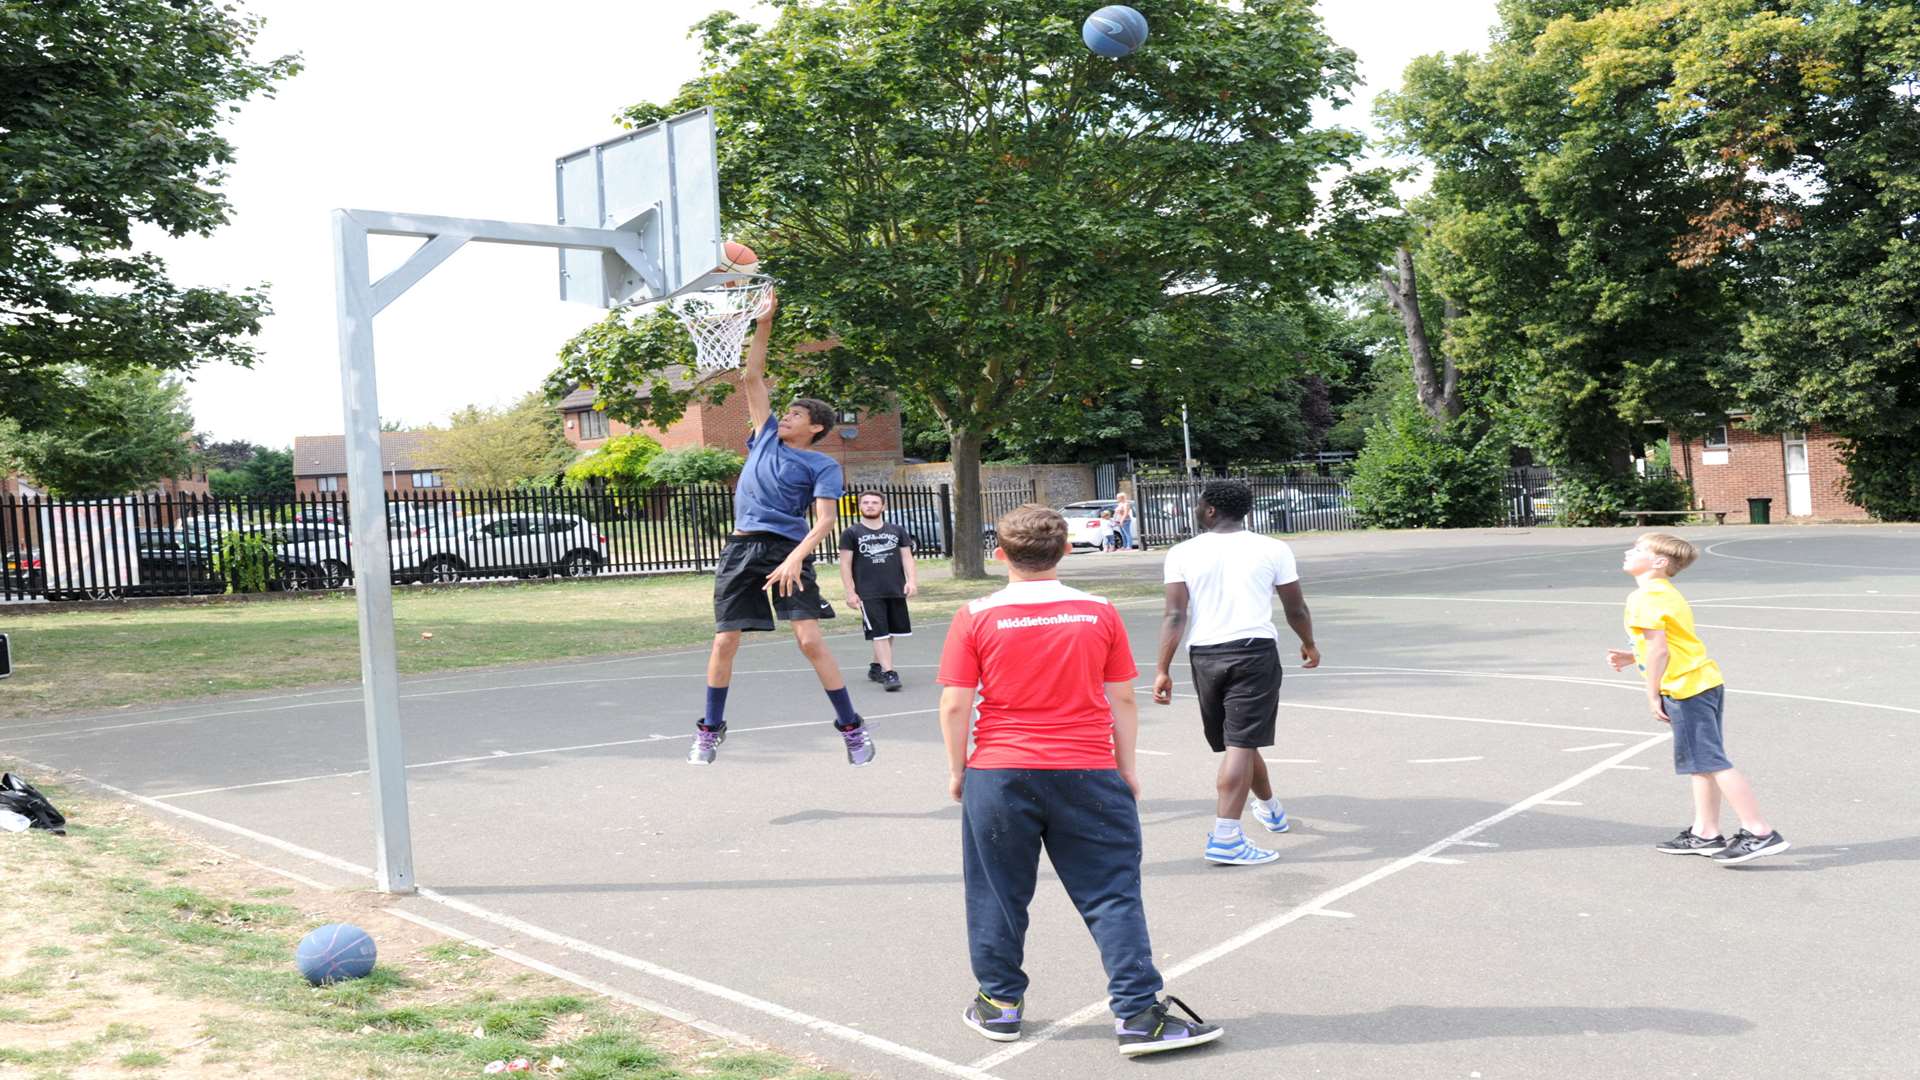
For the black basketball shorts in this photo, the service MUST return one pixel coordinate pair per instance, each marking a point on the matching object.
(741, 599)
(1238, 683)
(885, 617)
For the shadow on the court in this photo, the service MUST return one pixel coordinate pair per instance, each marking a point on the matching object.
(803, 817)
(1801, 858)
(1412, 1025)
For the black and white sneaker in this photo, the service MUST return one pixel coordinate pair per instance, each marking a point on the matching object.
(876, 674)
(1154, 1032)
(998, 1022)
(1689, 843)
(1745, 847)
(890, 680)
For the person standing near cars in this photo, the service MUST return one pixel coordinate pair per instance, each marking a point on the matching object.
(877, 572)
(1123, 519)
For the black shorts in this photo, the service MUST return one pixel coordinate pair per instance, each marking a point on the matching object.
(1238, 683)
(741, 600)
(885, 617)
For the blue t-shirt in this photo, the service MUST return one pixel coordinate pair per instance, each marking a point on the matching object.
(779, 483)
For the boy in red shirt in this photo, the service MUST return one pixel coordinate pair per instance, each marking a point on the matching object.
(1052, 767)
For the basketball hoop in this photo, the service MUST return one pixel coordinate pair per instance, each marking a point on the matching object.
(717, 319)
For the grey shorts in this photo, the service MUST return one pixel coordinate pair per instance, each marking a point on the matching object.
(1696, 732)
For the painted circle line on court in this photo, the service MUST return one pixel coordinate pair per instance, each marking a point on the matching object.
(1714, 549)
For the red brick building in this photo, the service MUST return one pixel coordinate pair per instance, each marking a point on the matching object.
(320, 463)
(866, 444)
(1800, 471)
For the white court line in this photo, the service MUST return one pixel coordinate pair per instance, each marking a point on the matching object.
(1315, 905)
(404, 697)
(581, 981)
(1293, 761)
(1562, 802)
(1620, 684)
(1475, 843)
(1444, 760)
(1439, 861)
(1641, 768)
(1331, 914)
(1155, 753)
(1798, 630)
(497, 755)
(586, 948)
(1595, 746)
(1463, 719)
(1337, 578)
(1714, 549)
(1616, 603)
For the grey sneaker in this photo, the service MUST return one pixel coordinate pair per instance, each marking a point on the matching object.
(998, 1022)
(1692, 843)
(1155, 1032)
(890, 680)
(1745, 847)
(706, 744)
(859, 745)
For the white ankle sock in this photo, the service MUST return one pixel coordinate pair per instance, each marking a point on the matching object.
(1226, 828)
(1271, 806)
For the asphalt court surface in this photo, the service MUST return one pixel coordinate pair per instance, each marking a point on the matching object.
(1469, 887)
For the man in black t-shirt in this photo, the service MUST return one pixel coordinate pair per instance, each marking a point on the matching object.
(876, 568)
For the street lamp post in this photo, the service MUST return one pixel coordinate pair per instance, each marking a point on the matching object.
(1186, 434)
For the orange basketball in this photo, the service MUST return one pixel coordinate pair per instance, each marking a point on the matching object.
(739, 258)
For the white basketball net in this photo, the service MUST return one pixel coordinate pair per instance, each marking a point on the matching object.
(718, 319)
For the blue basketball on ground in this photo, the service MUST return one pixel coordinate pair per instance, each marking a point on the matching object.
(1114, 31)
(335, 952)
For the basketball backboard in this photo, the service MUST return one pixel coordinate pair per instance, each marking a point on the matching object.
(663, 181)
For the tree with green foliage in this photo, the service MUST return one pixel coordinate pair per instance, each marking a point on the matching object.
(498, 449)
(1416, 473)
(693, 465)
(111, 118)
(620, 464)
(985, 215)
(1549, 233)
(1802, 120)
(120, 433)
(270, 474)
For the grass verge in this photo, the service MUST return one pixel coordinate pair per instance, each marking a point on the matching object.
(131, 950)
(92, 658)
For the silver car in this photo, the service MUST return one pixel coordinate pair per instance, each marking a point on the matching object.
(500, 545)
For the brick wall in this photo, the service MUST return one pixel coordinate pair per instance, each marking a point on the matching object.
(1057, 484)
(1753, 465)
(399, 483)
(877, 440)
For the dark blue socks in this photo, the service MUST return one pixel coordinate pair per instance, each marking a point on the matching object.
(716, 708)
(843, 707)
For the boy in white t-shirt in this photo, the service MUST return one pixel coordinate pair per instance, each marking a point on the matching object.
(1220, 588)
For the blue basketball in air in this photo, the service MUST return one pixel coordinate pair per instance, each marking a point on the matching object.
(1114, 31)
(334, 953)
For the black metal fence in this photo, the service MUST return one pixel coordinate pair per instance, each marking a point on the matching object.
(188, 545)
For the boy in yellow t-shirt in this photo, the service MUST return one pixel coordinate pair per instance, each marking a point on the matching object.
(1684, 689)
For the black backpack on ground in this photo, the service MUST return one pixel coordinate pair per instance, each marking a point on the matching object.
(24, 799)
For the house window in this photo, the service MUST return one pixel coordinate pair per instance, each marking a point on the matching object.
(1717, 438)
(593, 424)
(849, 416)
(326, 483)
(426, 480)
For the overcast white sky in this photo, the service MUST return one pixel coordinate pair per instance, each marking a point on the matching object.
(460, 110)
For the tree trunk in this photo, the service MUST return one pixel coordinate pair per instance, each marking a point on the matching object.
(969, 557)
(1439, 394)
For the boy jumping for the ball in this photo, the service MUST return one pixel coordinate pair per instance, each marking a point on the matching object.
(1052, 767)
(772, 548)
(877, 572)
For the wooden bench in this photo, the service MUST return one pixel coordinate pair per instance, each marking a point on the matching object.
(1645, 517)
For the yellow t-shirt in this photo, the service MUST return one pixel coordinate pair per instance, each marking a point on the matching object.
(1657, 605)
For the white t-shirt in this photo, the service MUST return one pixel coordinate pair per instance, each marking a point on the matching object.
(1230, 578)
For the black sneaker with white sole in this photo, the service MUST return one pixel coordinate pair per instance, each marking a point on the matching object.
(875, 673)
(1691, 843)
(998, 1022)
(1746, 847)
(890, 680)
(1155, 1032)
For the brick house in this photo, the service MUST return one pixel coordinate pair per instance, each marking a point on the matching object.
(866, 444)
(1800, 471)
(320, 463)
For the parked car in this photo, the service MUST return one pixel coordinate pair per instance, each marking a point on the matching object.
(25, 573)
(1085, 527)
(1542, 502)
(311, 556)
(493, 545)
(1295, 509)
(925, 524)
(170, 562)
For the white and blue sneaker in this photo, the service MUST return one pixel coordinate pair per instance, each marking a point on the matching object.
(1273, 823)
(1237, 851)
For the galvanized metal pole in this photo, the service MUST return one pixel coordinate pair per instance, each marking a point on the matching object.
(372, 566)
(1186, 438)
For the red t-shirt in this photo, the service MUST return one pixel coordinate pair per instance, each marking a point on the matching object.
(1040, 653)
